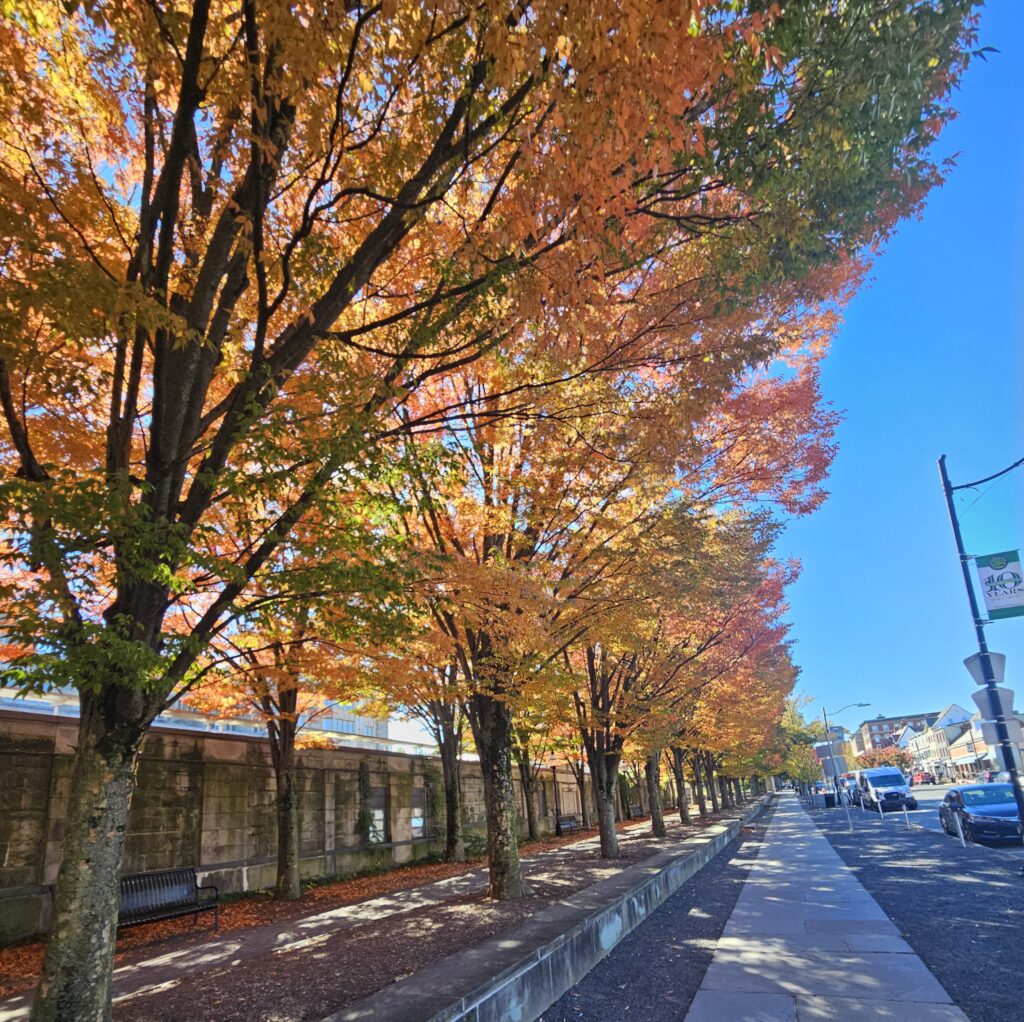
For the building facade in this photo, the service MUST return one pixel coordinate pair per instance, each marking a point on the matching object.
(931, 748)
(334, 723)
(882, 732)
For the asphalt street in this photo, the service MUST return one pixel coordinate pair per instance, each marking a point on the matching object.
(960, 909)
(929, 798)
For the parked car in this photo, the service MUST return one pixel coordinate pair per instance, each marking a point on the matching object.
(922, 777)
(987, 812)
(884, 787)
(854, 792)
(993, 777)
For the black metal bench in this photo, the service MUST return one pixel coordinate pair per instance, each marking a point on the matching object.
(636, 812)
(166, 894)
(567, 825)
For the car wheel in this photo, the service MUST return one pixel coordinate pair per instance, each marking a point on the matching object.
(968, 831)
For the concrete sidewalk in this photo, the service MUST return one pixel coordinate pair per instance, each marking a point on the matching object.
(806, 941)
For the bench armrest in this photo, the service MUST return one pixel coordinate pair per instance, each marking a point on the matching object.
(209, 887)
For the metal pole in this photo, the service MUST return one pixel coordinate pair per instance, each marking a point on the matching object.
(960, 829)
(835, 774)
(1003, 734)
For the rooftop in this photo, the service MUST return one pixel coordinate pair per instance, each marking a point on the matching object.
(899, 719)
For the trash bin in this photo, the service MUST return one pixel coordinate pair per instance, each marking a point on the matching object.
(830, 800)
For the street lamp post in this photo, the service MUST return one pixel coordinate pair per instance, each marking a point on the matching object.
(832, 757)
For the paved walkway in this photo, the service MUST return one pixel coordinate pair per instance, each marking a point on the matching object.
(807, 942)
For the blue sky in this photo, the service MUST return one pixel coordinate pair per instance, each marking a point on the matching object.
(930, 361)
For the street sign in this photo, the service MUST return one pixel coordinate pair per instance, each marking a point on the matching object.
(988, 731)
(998, 661)
(1003, 697)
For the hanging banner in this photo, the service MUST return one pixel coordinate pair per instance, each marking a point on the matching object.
(1002, 583)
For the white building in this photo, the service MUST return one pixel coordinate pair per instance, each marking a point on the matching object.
(931, 747)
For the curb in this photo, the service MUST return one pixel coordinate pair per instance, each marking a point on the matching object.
(517, 976)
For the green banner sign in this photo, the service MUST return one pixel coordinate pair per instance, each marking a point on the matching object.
(1002, 583)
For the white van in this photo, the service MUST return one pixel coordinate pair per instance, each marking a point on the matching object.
(885, 787)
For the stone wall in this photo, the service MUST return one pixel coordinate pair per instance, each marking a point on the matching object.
(207, 801)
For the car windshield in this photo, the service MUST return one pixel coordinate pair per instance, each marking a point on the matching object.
(887, 780)
(988, 795)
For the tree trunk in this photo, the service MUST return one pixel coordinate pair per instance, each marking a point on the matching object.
(680, 776)
(491, 721)
(604, 778)
(723, 792)
(78, 965)
(606, 821)
(581, 783)
(451, 775)
(652, 769)
(637, 785)
(698, 785)
(282, 725)
(289, 883)
(709, 777)
(737, 787)
(528, 780)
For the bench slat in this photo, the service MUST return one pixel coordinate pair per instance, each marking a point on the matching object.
(165, 894)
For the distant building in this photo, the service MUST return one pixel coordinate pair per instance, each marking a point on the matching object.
(904, 736)
(343, 723)
(931, 747)
(882, 732)
(969, 754)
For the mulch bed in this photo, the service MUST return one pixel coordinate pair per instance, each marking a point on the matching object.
(339, 968)
(20, 963)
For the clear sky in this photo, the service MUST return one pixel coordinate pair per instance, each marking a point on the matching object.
(930, 361)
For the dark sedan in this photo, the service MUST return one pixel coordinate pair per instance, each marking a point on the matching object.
(987, 812)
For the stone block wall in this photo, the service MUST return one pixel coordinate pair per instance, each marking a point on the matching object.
(207, 801)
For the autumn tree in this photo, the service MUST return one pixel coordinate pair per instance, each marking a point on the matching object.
(893, 757)
(226, 226)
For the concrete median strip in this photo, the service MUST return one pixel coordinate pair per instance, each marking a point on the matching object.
(516, 976)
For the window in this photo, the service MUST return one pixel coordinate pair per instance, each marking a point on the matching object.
(419, 812)
(874, 727)
(992, 795)
(377, 807)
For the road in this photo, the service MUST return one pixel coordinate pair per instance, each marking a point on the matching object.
(929, 797)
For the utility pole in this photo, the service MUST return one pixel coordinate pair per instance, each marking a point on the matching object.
(831, 754)
(832, 757)
(1002, 732)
